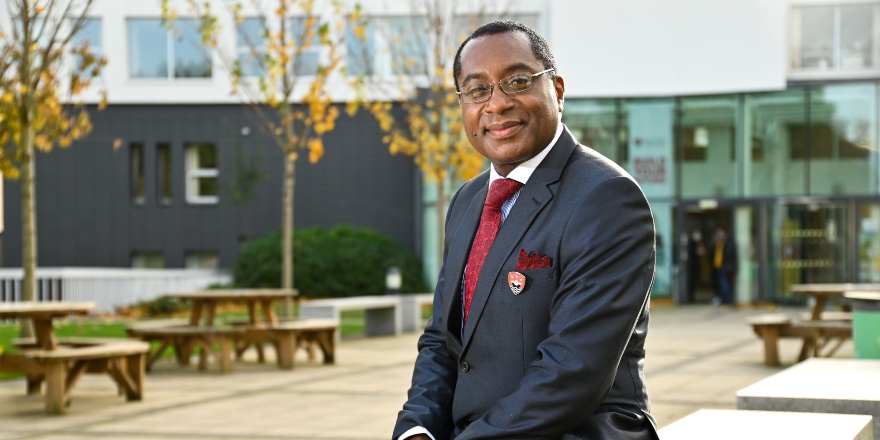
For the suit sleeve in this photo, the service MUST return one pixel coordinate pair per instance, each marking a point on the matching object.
(606, 273)
(429, 399)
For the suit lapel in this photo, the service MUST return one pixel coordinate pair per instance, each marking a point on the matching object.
(456, 259)
(535, 196)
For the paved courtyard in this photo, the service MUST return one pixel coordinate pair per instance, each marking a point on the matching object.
(698, 357)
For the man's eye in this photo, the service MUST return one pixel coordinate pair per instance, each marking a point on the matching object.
(477, 90)
(518, 81)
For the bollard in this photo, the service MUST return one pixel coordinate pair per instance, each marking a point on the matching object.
(866, 324)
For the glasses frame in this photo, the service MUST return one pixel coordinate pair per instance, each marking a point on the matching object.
(492, 86)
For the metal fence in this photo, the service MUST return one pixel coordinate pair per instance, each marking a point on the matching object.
(108, 288)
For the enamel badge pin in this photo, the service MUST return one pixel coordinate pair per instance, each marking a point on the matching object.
(516, 281)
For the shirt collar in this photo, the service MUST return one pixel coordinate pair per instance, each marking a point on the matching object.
(524, 170)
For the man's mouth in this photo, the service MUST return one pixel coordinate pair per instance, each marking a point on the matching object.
(503, 129)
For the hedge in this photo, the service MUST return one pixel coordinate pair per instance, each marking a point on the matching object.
(336, 262)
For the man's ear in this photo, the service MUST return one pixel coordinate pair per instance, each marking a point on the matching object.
(559, 86)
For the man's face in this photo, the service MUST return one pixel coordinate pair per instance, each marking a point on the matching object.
(509, 129)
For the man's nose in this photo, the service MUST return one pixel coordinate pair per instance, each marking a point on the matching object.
(498, 102)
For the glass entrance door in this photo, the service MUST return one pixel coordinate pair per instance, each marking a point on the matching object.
(807, 245)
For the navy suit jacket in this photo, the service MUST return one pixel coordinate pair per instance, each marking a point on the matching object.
(564, 358)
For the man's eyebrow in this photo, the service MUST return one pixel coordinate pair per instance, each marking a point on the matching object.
(507, 70)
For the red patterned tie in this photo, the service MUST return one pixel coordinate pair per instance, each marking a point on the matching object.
(490, 221)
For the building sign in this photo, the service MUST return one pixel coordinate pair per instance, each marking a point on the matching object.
(650, 147)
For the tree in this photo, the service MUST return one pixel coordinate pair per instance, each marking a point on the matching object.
(280, 40)
(430, 128)
(43, 71)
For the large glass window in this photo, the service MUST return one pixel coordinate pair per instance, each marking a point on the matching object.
(251, 46)
(770, 125)
(306, 63)
(90, 35)
(842, 141)
(393, 46)
(201, 174)
(835, 37)
(648, 125)
(869, 243)
(594, 123)
(707, 146)
(155, 52)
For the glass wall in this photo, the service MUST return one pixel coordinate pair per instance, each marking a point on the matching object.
(843, 139)
(791, 161)
(773, 127)
(707, 146)
(594, 123)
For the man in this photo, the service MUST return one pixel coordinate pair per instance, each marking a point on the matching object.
(539, 325)
(724, 265)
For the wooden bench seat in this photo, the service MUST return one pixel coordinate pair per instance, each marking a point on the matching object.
(184, 338)
(816, 334)
(61, 368)
(290, 335)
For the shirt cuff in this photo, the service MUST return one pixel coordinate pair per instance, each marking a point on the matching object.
(414, 431)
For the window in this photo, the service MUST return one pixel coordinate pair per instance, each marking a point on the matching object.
(163, 173)
(835, 37)
(465, 25)
(251, 47)
(306, 63)
(201, 174)
(202, 260)
(155, 52)
(147, 260)
(136, 167)
(393, 46)
(89, 34)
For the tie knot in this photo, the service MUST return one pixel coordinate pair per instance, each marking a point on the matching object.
(501, 190)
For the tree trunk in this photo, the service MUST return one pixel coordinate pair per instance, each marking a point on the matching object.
(28, 224)
(287, 234)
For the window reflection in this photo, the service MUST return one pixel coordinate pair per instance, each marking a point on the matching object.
(152, 49)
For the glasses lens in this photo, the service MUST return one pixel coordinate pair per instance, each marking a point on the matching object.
(476, 93)
(516, 83)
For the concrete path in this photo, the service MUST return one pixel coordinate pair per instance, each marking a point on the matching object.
(698, 357)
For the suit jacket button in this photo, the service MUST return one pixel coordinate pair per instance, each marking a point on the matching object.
(465, 367)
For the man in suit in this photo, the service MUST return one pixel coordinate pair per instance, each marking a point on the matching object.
(539, 324)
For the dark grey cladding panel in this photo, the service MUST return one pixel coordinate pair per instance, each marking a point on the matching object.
(86, 217)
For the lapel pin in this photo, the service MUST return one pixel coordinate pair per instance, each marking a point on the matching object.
(516, 281)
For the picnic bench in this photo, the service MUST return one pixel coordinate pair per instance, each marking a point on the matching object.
(61, 362)
(721, 424)
(383, 313)
(182, 339)
(820, 334)
(840, 386)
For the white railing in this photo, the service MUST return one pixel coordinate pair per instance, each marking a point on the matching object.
(108, 288)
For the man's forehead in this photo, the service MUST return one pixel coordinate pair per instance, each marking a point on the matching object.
(508, 51)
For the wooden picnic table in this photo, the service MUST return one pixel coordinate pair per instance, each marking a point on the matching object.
(42, 314)
(61, 363)
(206, 301)
(821, 293)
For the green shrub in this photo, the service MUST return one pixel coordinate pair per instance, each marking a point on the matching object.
(161, 306)
(338, 262)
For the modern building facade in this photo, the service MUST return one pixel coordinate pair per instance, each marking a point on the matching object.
(761, 118)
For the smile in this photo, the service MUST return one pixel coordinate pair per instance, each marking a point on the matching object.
(501, 131)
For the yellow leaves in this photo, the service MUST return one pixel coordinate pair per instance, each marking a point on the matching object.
(117, 143)
(316, 150)
(103, 104)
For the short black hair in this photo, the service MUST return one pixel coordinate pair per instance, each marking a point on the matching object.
(539, 45)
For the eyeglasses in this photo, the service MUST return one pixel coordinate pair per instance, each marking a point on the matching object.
(518, 83)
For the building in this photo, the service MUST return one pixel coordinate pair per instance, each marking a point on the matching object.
(758, 117)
